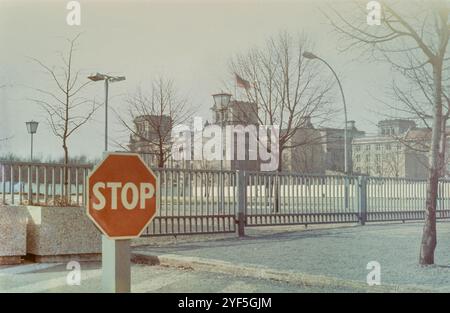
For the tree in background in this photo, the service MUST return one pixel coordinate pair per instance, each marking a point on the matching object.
(152, 114)
(66, 110)
(288, 90)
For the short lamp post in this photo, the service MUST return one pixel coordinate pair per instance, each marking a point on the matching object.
(221, 101)
(32, 127)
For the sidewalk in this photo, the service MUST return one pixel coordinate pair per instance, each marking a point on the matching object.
(336, 256)
(51, 277)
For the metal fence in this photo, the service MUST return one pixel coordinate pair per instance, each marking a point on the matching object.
(195, 202)
(286, 198)
(209, 201)
(24, 183)
(402, 199)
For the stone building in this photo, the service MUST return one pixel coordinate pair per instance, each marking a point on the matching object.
(398, 150)
(151, 138)
(237, 113)
(319, 150)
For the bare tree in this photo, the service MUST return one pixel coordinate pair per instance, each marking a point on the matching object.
(66, 110)
(152, 116)
(288, 90)
(413, 37)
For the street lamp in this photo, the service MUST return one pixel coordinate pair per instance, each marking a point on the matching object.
(221, 101)
(108, 79)
(312, 56)
(32, 127)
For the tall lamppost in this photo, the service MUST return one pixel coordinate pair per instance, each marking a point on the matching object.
(32, 127)
(221, 101)
(312, 56)
(108, 79)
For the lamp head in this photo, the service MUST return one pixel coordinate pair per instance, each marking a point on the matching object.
(32, 127)
(309, 55)
(221, 100)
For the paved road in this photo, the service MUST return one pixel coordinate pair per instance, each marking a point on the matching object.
(337, 252)
(47, 277)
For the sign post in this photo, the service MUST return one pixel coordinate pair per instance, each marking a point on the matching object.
(116, 265)
(121, 201)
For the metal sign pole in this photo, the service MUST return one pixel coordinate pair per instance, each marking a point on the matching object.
(116, 265)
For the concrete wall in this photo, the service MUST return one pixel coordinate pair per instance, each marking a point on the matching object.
(57, 234)
(13, 230)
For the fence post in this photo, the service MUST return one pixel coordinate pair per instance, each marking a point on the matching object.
(241, 189)
(362, 184)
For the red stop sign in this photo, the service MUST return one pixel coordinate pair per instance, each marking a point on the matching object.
(121, 195)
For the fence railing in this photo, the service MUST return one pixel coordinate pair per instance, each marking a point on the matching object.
(210, 201)
(24, 183)
(194, 202)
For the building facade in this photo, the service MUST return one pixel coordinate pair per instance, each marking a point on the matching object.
(237, 113)
(151, 138)
(398, 150)
(320, 150)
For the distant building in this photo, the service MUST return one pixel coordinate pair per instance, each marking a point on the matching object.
(398, 150)
(237, 113)
(319, 150)
(151, 135)
(334, 147)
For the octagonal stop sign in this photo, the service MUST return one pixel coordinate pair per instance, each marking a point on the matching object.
(121, 195)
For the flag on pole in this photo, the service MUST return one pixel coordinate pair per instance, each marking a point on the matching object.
(240, 82)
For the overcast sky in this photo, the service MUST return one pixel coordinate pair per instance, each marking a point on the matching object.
(190, 41)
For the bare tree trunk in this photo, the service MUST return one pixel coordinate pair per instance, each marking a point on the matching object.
(66, 174)
(277, 182)
(429, 239)
(161, 155)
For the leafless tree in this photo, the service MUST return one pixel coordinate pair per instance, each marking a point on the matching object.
(151, 117)
(288, 90)
(66, 110)
(413, 37)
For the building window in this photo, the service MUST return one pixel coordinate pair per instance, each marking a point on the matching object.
(367, 147)
(367, 158)
(357, 148)
(358, 158)
(378, 146)
(388, 146)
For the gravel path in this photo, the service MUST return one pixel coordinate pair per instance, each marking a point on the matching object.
(338, 252)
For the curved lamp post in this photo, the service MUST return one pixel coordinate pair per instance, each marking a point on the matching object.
(312, 56)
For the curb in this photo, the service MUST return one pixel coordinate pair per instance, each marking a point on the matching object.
(300, 279)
